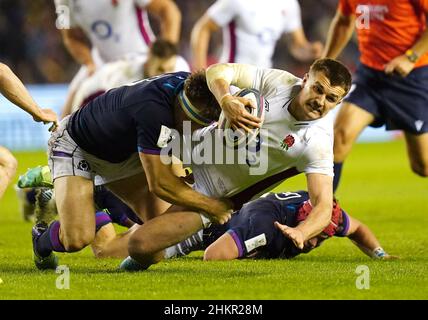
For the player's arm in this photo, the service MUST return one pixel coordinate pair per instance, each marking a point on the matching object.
(301, 49)
(78, 46)
(169, 16)
(224, 248)
(320, 188)
(340, 31)
(405, 63)
(219, 79)
(166, 185)
(200, 39)
(364, 238)
(14, 90)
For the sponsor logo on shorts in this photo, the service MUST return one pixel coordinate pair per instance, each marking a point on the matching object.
(419, 124)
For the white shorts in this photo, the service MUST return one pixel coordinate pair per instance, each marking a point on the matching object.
(66, 158)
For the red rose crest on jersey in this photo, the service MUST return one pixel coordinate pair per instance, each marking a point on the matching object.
(288, 142)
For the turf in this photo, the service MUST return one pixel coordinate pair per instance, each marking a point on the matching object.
(377, 188)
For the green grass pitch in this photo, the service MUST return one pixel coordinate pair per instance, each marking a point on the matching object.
(377, 187)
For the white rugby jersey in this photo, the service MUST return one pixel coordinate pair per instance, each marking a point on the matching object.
(115, 74)
(289, 146)
(115, 27)
(251, 28)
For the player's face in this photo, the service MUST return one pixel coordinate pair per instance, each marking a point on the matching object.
(156, 66)
(317, 96)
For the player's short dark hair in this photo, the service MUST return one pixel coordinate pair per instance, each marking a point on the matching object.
(335, 71)
(163, 48)
(196, 89)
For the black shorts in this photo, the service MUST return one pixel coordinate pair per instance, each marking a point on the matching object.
(397, 102)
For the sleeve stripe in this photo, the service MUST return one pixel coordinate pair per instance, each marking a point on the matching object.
(238, 243)
(148, 151)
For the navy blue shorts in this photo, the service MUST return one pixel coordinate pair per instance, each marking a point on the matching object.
(397, 102)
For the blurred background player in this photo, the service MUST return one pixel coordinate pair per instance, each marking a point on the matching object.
(251, 29)
(392, 80)
(162, 58)
(102, 31)
(14, 90)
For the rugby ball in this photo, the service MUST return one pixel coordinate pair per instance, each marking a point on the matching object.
(237, 138)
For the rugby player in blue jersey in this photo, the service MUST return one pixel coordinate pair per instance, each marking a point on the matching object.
(115, 140)
(255, 231)
(258, 230)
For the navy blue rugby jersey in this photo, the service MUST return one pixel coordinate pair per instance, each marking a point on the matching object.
(253, 230)
(127, 119)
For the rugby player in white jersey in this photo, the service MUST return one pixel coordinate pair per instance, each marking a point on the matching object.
(296, 136)
(251, 29)
(115, 29)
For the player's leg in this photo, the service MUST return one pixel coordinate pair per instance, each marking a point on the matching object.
(148, 242)
(76, 210)
(73, 185)
(350, 121)
(417, 149)
(8, 165)
(224, 248)
(76, 226)
(134, 192)
(109, 244)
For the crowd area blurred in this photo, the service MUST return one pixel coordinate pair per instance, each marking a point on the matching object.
(31, 45)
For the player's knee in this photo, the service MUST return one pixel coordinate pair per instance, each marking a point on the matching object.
(77, 242)
(140, 246)
(141, 250)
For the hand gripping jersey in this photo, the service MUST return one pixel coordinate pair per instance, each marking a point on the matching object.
(251, 28)
(115, 28)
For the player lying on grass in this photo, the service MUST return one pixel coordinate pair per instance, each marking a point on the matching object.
(258, 230)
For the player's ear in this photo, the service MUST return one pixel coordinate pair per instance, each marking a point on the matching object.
(305, 79)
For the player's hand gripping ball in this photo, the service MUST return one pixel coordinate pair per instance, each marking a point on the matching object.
(237, 138)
